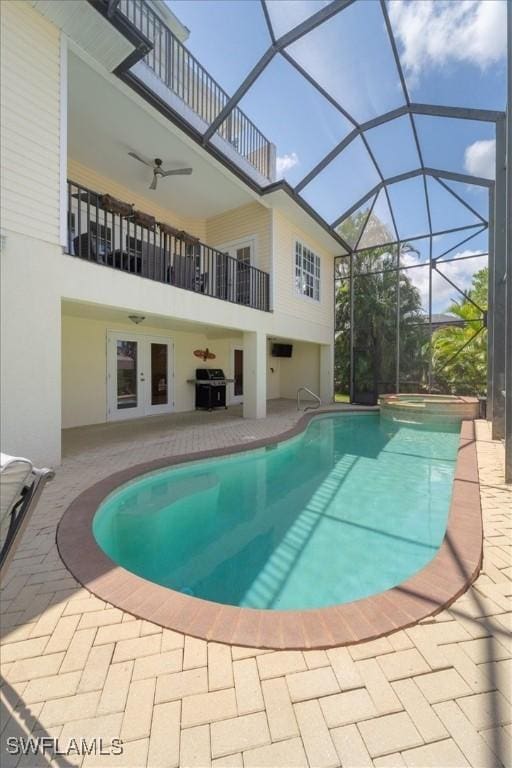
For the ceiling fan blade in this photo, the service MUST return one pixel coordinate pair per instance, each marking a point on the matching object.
(177, 172)
(141, 159)
(154, 182)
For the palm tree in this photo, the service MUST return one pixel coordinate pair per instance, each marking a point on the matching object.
(459, 353)
(375, 294)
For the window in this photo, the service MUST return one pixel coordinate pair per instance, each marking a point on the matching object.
(307, 272)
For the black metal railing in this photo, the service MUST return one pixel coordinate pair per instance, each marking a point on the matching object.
(100, 230)
(181, 72)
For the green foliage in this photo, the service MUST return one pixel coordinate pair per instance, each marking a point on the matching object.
(375, 323)
(375, 231)
(459, 362)
(350, 228)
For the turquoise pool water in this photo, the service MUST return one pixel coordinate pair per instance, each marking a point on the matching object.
(351, 507)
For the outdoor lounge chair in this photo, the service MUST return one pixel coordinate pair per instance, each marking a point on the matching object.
(21, 485)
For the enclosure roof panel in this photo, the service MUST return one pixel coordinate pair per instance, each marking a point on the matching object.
(365, 109)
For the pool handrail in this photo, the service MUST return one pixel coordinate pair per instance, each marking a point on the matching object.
(313, 395)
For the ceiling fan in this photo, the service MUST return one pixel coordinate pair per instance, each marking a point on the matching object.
(156, 165)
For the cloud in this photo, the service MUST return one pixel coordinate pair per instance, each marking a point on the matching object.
(285, 163)
(480, 158)
(459, 272)
(438, 32)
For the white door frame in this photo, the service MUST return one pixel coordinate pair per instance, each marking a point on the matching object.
(234, 399)
(169, 405)
(241, 280)
(144, 407)
(231, 247)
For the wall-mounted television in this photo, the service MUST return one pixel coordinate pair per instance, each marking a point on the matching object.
(282, 350)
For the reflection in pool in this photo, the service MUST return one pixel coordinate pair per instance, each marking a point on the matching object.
(351, 507)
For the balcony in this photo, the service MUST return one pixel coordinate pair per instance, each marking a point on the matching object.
(109, 232)
(180, 72)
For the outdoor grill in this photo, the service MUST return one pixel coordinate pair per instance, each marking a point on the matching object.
(210, 388)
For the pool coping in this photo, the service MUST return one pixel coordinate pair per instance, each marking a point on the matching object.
(452, 570)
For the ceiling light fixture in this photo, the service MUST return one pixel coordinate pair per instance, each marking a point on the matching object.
(136, 318)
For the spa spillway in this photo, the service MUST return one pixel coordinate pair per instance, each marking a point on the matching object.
(423, 408)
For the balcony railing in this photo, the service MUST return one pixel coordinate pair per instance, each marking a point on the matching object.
(181, 72)
(103, 230)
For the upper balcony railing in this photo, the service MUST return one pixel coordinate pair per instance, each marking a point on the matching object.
(110, 232)
(181, 72)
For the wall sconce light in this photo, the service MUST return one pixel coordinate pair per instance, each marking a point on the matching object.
(136, 318)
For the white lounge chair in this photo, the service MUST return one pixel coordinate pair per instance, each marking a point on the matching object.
(21, 485)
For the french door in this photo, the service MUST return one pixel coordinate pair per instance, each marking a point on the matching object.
(139, 375)
(234, 274)
(243, 276)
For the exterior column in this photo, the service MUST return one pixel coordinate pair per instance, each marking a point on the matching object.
(490, 310)
(326, 373)
(499, 288)
(255, 375)
(508, 268)
(31, 345)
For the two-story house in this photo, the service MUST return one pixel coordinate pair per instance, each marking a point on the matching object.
(128, 245)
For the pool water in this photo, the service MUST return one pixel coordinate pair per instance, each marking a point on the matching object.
(351, 507)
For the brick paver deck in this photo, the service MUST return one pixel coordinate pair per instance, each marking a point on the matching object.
(436, 694)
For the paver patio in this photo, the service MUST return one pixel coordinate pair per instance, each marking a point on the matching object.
(437, 694)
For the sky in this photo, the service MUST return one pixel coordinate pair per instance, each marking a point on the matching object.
(460, 62)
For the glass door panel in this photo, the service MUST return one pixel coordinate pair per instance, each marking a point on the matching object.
(125, 376)
(236, 388)
(239, 373)
(139, 375)
(243, 288)
(159, 374)
(158, 365)
(126, 370)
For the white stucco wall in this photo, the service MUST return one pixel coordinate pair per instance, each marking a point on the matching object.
(30, 413)
(36, 385)
(84, 364)
(30, 221)
(273, 374)
(300, 370)
(79, 280)
(36, 276)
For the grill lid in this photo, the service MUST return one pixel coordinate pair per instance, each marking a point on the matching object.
(209, 374)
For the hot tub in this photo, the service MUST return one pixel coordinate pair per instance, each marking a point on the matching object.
(423, 408)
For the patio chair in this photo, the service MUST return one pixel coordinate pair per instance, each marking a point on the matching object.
(185, 273)
(21, 485)
(95, 244)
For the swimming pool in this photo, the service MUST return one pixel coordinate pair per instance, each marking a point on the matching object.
(350, 507)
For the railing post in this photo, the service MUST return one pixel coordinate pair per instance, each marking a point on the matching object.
(134, 249)
(189, 80)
